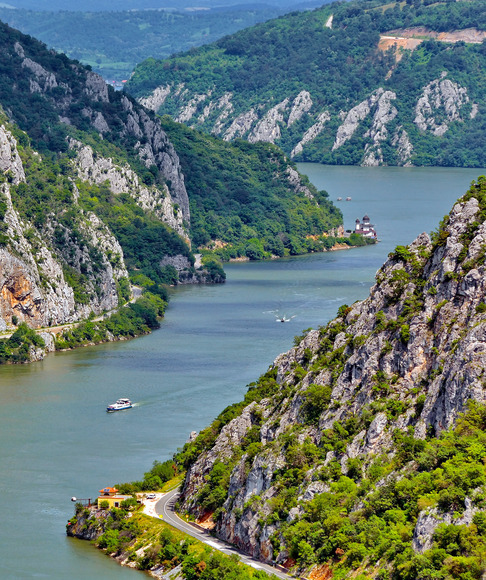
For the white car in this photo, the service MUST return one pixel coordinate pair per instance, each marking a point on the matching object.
(150, 496)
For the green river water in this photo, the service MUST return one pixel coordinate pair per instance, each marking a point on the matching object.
(57, 441)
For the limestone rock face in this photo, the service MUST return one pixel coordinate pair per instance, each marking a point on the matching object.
(354, 118)
(429, 520)
(375, 128)
(302, 104)
(419, 336)
(385, 112)
(33, 287)
(97, 170)
(440, 104)
(9, 158)
(403, 146)
(156, 99)
(225, 106)
(241, 125)
(311, 133)
(190, 109)
(295, 181)
(268, 128)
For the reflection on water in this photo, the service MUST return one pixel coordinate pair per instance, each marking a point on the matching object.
(56, 439)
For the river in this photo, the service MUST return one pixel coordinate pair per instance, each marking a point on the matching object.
(57, 441)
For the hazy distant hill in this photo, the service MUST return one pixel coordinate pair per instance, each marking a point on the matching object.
(110, 5)
(350, 83)
(113, 43)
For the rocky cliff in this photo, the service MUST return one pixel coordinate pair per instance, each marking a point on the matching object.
(345, 430)
(34, 262)
(66, 94)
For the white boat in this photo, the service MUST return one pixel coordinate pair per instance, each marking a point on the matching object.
(120, 405)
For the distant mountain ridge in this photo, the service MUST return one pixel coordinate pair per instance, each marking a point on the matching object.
(113, 42)
(326, 87)
(108, 5)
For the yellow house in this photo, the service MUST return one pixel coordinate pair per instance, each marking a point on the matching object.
(111, 495)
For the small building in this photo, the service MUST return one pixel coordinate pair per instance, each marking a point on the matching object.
(365, 228)
(111, 495)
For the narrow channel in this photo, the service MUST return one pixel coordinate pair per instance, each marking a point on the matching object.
(57, 441)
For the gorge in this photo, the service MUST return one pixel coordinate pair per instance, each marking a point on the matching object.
(380, 187)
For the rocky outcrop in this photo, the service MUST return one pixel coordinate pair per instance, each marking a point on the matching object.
(295, 182)
(268, 129)
(10, 162)
(378, 133)
(226, 107)
(88, 524)
(417, 343)
(354, 117)
(241, 125)
(311, 133)
(33, 286)
(439, 105)
(156, 99)
(122, 179)
(302, 104)
(404, 147)
(429, 520)
(112, 114)
(189, 110)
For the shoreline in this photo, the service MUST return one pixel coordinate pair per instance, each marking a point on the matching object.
(136, 318)
(335, 248)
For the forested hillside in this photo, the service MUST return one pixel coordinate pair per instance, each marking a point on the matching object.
(248, 200)
(113, 43)
(350, 83)
(361, 452)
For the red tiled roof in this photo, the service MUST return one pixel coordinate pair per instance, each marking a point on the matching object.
(106, 490)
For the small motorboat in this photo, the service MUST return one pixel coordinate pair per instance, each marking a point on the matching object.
(120, 405)
(348, 198)
(284, 318)
(339, 199)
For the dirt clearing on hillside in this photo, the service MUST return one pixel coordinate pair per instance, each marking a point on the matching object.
(410, 38)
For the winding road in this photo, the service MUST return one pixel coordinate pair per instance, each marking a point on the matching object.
(164, 508)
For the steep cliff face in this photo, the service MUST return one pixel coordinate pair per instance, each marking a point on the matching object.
(96, 169)
(441, 103)
(400, 366)
(33, 286)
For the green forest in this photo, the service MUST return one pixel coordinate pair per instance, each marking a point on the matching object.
(240, 195)
(340, 67)
(113, 43)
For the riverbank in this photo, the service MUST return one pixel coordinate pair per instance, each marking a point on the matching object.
(139, 317)
(134, 319)
(254, 250)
